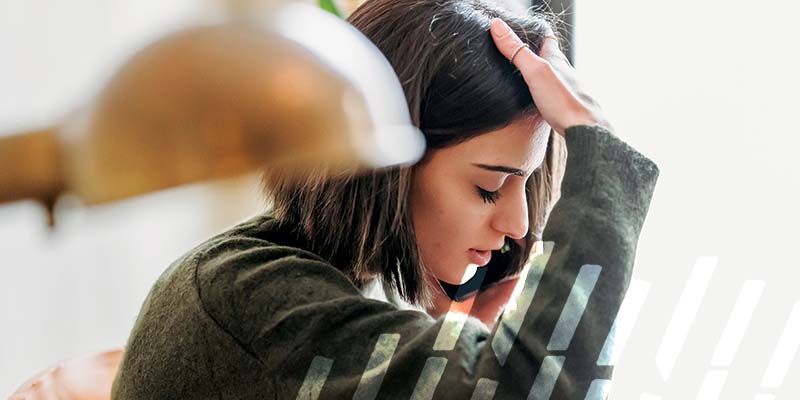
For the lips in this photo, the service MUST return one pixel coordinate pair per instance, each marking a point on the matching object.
(480, 257)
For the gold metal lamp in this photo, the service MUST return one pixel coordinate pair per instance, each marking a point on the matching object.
(293, 84)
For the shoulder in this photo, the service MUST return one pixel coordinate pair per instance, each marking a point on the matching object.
(258, 268)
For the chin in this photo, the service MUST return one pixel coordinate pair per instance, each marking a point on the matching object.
(459, 279)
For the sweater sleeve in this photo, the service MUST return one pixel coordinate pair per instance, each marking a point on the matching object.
(317, 337)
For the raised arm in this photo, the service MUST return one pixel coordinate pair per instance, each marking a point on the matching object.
(317, 337)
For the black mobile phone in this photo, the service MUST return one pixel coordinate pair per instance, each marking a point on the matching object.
(498, 268)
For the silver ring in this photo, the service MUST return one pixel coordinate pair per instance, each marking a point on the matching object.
(517, 51)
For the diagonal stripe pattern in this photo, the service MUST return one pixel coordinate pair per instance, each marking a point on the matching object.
(511, 321)
(624, 322)
(378, 363)
(684, 315)
(574, 308)
(315, 378)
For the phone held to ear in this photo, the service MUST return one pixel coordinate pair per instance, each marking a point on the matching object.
(499, 268)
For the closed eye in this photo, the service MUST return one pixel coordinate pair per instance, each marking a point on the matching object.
(487, 196)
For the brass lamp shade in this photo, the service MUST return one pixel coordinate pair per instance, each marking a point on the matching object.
(295, 85)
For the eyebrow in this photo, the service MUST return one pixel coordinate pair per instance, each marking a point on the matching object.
(501, 168)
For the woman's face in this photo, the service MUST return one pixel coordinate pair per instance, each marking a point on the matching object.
(467, 198)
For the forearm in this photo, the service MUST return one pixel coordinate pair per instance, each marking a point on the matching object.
(574, 290)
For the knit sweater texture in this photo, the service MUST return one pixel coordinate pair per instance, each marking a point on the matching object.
(252, 314)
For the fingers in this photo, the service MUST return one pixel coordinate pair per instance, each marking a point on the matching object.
(551, 51)
(550, 45)
(508, 43)
(550, 78)
(550, 39)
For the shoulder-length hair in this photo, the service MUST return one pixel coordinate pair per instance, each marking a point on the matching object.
(458, 86)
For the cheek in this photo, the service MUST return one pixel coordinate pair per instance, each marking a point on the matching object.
(436, 222)
(445, 198)
(446, 223)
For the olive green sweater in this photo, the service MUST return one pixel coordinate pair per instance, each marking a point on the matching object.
(251, 314)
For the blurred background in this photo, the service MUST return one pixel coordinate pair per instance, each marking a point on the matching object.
(705, 89)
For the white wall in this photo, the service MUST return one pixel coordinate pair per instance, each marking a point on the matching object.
(707, 89)
(77, 289)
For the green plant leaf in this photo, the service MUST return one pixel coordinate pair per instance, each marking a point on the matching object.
(330, 6)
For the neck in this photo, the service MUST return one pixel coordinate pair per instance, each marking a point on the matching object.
(441, 303)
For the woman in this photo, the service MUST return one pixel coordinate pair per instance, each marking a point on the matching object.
(279, 307)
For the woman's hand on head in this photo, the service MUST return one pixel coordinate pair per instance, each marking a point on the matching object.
(551, 79)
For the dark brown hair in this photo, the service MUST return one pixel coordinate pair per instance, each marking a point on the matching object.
(458, 86)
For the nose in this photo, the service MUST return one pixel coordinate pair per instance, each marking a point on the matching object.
(511, 216)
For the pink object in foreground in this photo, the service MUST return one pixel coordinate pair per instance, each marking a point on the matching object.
(86, 378)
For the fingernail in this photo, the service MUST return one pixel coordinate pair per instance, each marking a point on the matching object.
(500, 27)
